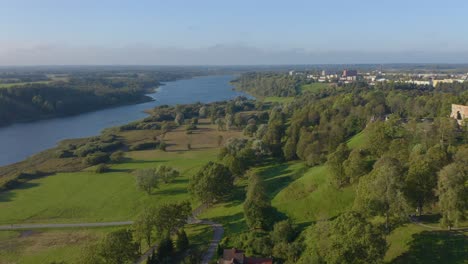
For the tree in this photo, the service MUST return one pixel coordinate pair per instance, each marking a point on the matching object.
(421, 181)
(144, 225)
(166, 173)
(101, 168)
(381, 191)
(212, 183)
(283, 232)
(289, 149)
(257, 205)
(335, 164)
(170, 217)
(221, 124)
(117, 156)
(182, 242)
(146, 180)
(238, 120)
(356, 165)
(202, 112)
(229, 119)
(453, 190)
(165, 250)
(179, 119)
(347, 239)
(119, 247)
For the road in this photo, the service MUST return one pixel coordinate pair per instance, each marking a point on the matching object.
(218, 231)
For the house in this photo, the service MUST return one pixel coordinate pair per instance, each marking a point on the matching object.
(236, 256)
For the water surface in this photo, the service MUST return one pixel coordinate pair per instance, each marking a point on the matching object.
(20, 141)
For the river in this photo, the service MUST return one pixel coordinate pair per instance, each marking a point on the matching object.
(19, 141)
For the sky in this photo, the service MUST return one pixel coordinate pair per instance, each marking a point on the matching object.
(235, 32)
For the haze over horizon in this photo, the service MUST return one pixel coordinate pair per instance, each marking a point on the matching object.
(231, 33)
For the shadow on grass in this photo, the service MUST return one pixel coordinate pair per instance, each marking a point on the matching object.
(436, 247)
(146, 161)
(7, 196)
(432, 219)
(237, 197)
(232, 223)
(173, 191)
(278, 177)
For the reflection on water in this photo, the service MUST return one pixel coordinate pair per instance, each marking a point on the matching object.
(19, 141)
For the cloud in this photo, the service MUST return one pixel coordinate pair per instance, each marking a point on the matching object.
(220, 54)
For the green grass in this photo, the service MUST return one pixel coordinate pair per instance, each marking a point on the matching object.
(89, 197)
(7, 85)
(413, 244)
(47, 246)
(199, 236)
(358, 141)
(399, 239)
(314, 87)
(277, 99)
(311, 197)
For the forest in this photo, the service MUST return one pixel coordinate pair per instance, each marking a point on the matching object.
(337, 175)
(33, 96)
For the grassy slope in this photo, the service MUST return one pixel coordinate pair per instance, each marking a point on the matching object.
(89, 197)
(277, 99)
(311, 197)
(314, 87)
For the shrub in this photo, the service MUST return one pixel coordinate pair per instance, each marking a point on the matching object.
(117, 156)
(63, 154)
(96, 158)
(145, 146)
(101, 168)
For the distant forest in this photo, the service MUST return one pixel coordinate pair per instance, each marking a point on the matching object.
(33, 96)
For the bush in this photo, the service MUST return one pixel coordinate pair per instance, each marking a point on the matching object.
(162, 146)
(63, 154)
(102, 168)
(117, 156)
(145, 146)
(96, 158)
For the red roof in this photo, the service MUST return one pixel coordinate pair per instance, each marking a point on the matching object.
(259, 261)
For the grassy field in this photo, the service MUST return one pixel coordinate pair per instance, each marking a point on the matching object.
(89, 197)
(7, 85)
(85, 196)
(277, 99)
(359, 140)
(314, 87)
(301, 193)
(414, 244)
(312, 197)
(31, 247)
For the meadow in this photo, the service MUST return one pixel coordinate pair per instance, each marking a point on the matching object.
(298, 192)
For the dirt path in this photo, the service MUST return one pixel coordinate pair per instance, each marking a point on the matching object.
(415, 221)
(218, 231)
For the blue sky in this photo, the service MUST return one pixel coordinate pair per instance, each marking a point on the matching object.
(232, 32)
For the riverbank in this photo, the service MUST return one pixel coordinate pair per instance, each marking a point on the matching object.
(26, 139)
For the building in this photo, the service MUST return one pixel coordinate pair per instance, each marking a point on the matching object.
(429, 82)
(436, 82)
(459, 112)
(236, 256)
(350, 73)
